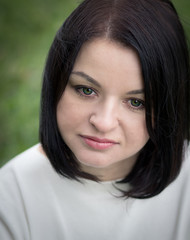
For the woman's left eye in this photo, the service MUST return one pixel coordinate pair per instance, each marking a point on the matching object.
(136, 104)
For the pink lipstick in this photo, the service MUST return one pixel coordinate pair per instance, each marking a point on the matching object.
(98, 143)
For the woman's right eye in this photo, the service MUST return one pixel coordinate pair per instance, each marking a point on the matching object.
(85, 91)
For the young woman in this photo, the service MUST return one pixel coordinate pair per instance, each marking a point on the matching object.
(113, 161)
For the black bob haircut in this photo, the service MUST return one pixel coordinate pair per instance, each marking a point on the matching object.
(153, 29)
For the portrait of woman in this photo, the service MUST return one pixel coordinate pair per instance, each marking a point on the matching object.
(113, 156)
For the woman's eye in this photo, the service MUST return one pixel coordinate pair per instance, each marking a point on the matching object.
(136, 104)
(85, 91)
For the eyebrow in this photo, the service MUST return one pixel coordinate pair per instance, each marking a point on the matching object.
(93, 81)
(139, 91)
(87, 77)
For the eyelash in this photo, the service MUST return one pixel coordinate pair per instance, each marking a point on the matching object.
(80, 91)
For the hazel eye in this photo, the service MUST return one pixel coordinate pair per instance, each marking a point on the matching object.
(87, 91)
(135, 103)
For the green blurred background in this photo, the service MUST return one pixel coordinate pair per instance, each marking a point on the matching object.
(27, 29)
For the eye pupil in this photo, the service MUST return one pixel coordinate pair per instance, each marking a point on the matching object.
(87, 91)
(135, 103)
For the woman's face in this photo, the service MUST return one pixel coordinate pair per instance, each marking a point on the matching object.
(101, 114)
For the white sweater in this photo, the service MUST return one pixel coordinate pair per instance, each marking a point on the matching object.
(38, 204)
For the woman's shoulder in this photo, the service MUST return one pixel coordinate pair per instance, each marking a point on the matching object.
(26, 169)
(27, 188)
(26, 161)
(180, 187)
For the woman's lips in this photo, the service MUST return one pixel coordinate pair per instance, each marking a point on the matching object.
(98, 143)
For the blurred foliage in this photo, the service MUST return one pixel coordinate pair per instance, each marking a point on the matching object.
(183, 9)
(27, 30)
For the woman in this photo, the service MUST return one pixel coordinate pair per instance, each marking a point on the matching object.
(114, 126)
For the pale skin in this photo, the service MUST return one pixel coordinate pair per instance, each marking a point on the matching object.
(101, 114)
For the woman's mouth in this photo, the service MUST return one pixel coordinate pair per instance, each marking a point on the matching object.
(98, 143)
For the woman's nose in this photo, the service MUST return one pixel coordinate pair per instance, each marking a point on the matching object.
(105, 117)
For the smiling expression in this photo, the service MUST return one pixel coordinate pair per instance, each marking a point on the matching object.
(101, 114)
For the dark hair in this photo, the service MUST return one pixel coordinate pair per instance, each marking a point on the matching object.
(153, 29)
